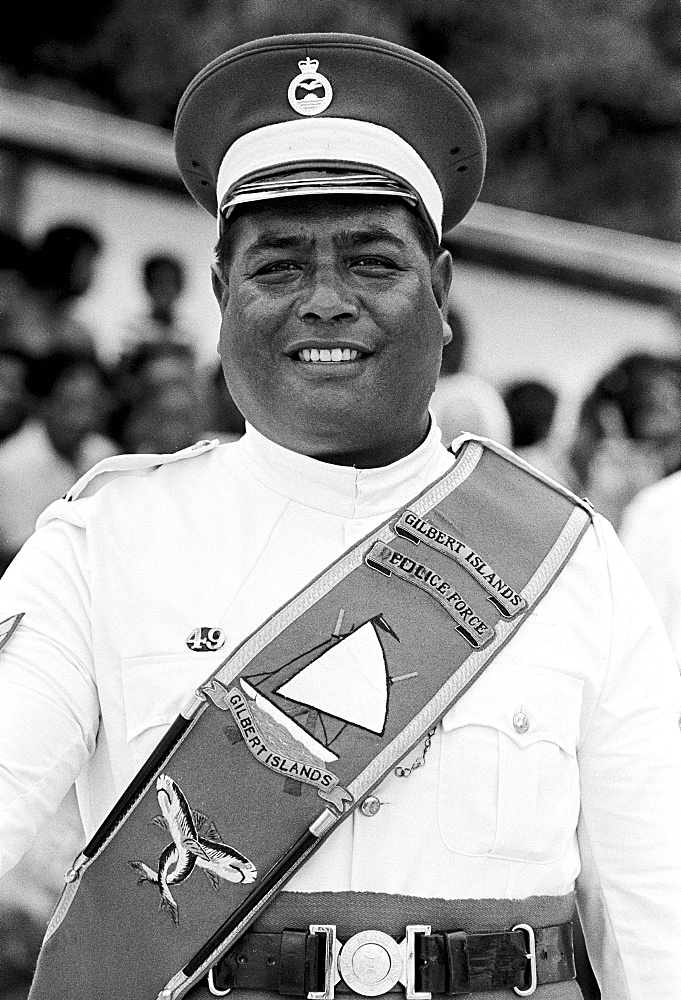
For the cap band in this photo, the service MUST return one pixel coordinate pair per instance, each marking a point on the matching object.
(315, 140)
(315, 183)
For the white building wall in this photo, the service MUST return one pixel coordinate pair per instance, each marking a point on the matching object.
(133, 221)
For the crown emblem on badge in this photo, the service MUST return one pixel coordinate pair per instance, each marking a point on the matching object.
(310, 92)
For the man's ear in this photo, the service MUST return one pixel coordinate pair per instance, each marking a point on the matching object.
(441, 279)
(220, 286)
(447, 335)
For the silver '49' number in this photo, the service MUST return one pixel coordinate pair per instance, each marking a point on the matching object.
(205, 639)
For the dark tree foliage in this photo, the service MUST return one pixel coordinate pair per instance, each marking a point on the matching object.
(581, 98)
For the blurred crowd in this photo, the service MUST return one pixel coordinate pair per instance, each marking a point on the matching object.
(63, 408)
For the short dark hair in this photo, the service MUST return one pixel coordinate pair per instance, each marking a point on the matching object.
(46, 371)
(425, 233)
(148, 351)
(16, 354)
(14, 253)
(161, 262)
(531, 407)
(53, 257)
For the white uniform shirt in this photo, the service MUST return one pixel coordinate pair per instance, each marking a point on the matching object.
(112, 585)
(651, 534)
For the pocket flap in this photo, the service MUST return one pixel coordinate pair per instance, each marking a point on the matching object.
(156, 687)
(526, 702)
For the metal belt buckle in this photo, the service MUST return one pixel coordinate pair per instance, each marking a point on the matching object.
(409, 952)
(331, 951)
(531, 956)
(370, 962)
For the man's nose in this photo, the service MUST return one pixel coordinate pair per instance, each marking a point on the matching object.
(328, 300)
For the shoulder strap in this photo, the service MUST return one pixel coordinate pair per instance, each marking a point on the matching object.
(121, 465)
(422, 605)
(113, 468)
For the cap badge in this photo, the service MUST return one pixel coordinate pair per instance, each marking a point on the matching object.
(309, 93)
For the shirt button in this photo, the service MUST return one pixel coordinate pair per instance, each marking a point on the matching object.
(370, 806)
(520, 722)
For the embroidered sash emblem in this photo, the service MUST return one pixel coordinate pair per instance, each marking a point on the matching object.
(195, 841)
(343, 681)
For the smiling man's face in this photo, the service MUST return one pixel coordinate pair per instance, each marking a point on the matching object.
(332, 326)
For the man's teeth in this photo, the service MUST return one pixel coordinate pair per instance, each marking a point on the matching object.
(335, 354)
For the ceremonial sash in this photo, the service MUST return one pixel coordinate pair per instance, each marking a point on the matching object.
(300, 723)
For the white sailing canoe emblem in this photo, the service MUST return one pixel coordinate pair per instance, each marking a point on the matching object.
(195, 841)
(291, 717)
(349, 681)
(345, 682)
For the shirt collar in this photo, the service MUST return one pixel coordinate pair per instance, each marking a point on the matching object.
(341, 489)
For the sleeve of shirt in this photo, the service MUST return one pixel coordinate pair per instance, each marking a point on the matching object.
(650, 536)
(629, 890)
(49, 710)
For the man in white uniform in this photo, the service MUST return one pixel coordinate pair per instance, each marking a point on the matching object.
(561, 766)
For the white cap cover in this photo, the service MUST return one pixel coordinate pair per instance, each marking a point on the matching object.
(336, 141)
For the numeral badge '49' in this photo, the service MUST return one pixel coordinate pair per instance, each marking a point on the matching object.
(205, 639)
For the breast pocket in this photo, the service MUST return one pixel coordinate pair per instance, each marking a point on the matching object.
(509, 782)
(155, 688)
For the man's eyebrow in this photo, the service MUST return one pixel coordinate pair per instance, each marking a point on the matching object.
(276, 241)
(372, 234)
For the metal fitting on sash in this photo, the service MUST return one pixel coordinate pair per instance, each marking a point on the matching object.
(212, 988)
(531, 956)
(370, 962)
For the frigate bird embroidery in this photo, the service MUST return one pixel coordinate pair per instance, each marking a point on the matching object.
(189, 849)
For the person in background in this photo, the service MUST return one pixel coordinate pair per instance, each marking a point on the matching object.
(164, 279)
(628, 432)
(14, 288)
(152, 366)
(162, 404)
(60, 441)
(22, 321)
(14, 403)
(463, 401)
(164, 421)
(532, 406)
(651, 533)
(62, 269)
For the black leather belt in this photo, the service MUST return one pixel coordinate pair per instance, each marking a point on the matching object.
(312, 963)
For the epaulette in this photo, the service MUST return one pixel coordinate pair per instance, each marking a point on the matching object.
(122, 465)
(520, 463)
